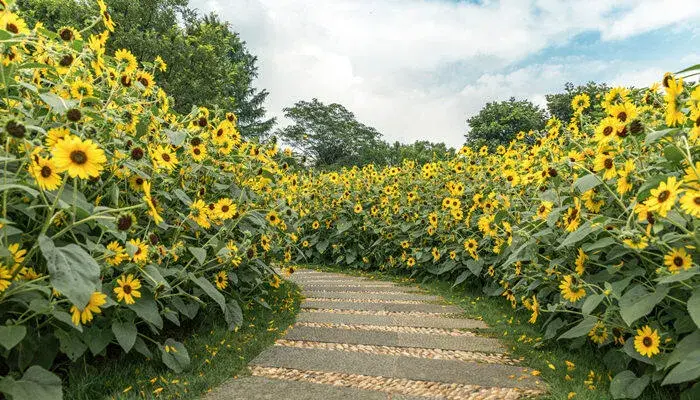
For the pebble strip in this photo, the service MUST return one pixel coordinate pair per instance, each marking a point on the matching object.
(368, 312)
(363, 292)
(367, 300)
(418, 352)
(406, 387)
(398, 329)
(326, 284)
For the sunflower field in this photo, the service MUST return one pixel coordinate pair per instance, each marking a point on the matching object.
(120, 218)
(590, 225)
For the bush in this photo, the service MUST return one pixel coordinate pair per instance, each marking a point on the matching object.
(590, 224)
(119, 216)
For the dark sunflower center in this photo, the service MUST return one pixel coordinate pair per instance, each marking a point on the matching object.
(197, 151)
(138, 251)
(66, 35)
(66, 61)
(139, 181)
(12, 28)
(510, 178)
(663, 196)
(126, 81)
(220, 279)
(78, 156)
(224, 208)
(647, 341)
(126, 289)
(622, 116)
(608, 163)
(220, 132)
(696, 200)
(165, 157)
(608, 130)
(678, 261)
(45, 171)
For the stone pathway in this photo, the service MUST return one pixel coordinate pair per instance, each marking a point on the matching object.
(357, 338)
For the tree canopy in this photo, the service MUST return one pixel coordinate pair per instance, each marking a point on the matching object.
(559, 104)
(499, 122)
(208, 63)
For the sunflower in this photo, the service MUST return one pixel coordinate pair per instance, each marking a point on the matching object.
(221, 280)
(85, 315)
(690, 203)
(44, 172)
(198, 153)
(265, 242)
(160, 64)
(646, 342)
(605, 162)
(54, 135)
(152, 210)
(273, 218)
(571, 289)
(411, 262)
(81, 158)
(119, 254)
(607, 129)
(535, 308)
(146, 80)
(5, 278)
(126, 60)
(80, 89)
(580, 102)
(225, 209)
(68, 34)
(637, 242)
(544, 209)
(12, 23)
(581, 262)
(436, 254)
(678, 259)
(106, 18)
(624, 112)
(599, 333)
(572, 218)
(141, 253)
(358, 208)
(18, 253)
(164, 157)
(315, 225)
(199, 213)
(127, 289)
(663, 197)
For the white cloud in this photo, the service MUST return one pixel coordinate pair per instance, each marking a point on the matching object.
(383, 59)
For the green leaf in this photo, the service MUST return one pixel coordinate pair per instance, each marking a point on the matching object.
(36, 384)
(176, 137)
(199, 253)
(591, 303)
(462, 277)
(97, 339)
(233, 314)
(687, 370)
(125, 332)
(672, 154)
(626, 385)
(587, 182)
(184, 198)
(73, 271)
(637, 302)
(16, 186)
(653, 136)
(210, 290)
(694, 306)
(175, 357)
(581, 329)
(11, 335)
(57, 104)
(687, 345)
(322, 246)
(681, 276)
(147, 309)
(344, 226)
(578, 235)
(70, 344)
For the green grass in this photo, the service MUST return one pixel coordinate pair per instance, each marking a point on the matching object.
(216, 354)
(513, 329)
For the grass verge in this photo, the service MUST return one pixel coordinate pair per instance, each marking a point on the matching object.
(585, 379)
(216, 354)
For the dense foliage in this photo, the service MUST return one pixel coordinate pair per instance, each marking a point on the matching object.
(590, 224)
(499, 121)
(208, 64)
(120, 217)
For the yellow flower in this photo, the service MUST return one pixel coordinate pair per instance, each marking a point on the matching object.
(678, 259)
(225, 209)
(160, 64)
(5, 278)
(119, 255)
(44, 172)
(646, 342)
(690, 203)
(152, 211)
(85, 315)
(358, 208)
(12, 23)
(106, 18)
(663, 197)
(581, 262)
(127, 289)
(221, 280)
(571, 289)
(275, 282)
(198, 153)
(199, 213)
(126, 60)
(605, 162)
(81, 158)
(164, 158)
(17, 252)
(53, 135)
(273, 218)
(80, 89)
(535, 308)
(141, 253)
(544, 209)
(599, 333)
(580, 102)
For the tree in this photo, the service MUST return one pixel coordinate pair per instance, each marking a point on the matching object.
(208, 63)
(559, 104)
(421, 152)
(329, 135)
(499, 122)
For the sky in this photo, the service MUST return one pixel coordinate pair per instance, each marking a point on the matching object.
(418, 69)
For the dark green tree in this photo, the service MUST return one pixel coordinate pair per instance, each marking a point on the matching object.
(499, 122)
(559, 104)
(329, 136)
(208, 63)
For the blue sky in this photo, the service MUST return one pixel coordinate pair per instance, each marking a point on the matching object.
(417, 69)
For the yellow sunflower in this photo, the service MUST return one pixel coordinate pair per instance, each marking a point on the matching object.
(152, 210)
(581, 262)
(5, 278)
(646, 342)
(605, 162)
(690, 203)
(53, 135)
(119, 254)
(127, 289)
(663, 197)
(68, 34)
(199, 213)
(85, 315)
(81, 158)
(198, 153)
(43, 170)
(571, 289)
(164, 157)
(80, 89)
(126, 60)
(225, 209)
(221, 280)
(358, 208)
(141, 253)
(678, 259)
(12, 23)
(599, 333)
(273, 218)
(544, 209)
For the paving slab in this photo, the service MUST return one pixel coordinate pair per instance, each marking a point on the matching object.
(448, 371)
(260, 388)
(395, 339)
(391, 320)
(365, 306)
(371, 296)
(339, 282)
(361, 288)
